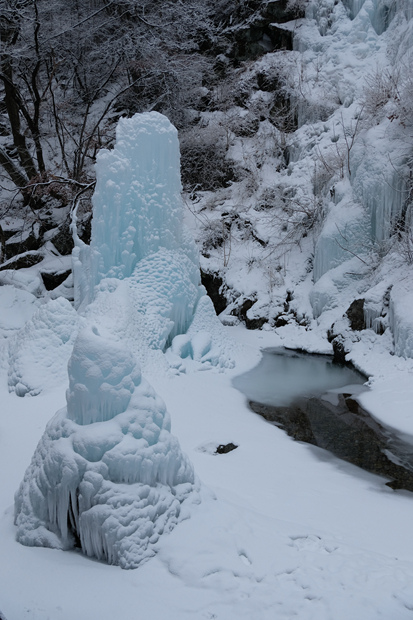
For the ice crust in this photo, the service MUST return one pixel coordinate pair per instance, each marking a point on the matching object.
(107, 474)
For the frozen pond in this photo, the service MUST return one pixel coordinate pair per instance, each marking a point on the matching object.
(284, 375)
(315, 401)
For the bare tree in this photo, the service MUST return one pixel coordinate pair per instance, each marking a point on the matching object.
(66, 70)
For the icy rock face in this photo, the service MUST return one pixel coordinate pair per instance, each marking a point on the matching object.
(344, 234)
(367, 204)
(107, 475)
(401, 320)
(381, 191)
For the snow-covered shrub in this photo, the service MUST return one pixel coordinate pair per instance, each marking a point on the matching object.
(297, 7)
(380, 88)
(204, 163)
(107, 475)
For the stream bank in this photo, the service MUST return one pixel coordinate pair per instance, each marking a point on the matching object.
(302, 394)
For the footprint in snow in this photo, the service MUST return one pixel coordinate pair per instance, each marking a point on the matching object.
(311, 543)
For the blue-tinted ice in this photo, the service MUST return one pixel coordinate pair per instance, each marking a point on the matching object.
(283, 375)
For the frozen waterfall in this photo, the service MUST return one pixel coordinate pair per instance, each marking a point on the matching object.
(140, 276)
(107, 475)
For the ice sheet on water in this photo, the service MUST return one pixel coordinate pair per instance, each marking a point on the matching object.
(283, 376)
(107, 474)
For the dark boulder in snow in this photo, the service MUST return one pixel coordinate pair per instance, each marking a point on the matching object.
(214, 287)
(355, 315)
(53, 280)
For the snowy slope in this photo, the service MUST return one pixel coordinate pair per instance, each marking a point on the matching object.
(283, 529)
(319, 213)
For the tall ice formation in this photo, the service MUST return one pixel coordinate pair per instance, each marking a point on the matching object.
(107, 475)
(137, 205)
(140, 275)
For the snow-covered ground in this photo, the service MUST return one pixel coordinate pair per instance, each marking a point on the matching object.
(283, 530)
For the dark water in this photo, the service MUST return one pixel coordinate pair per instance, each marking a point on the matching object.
(315, 401)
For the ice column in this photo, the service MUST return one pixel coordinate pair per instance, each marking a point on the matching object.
(107, 475)
(137, 204)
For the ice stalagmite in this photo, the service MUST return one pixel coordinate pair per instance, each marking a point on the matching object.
(140, 276)
(138, 216)
(107, 475)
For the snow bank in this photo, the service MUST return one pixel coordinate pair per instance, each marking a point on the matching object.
(16, 308)
(107, 475)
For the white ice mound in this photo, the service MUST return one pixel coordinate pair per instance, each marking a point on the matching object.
(151, 306)
(107, 475)
(204, 344)
(39, 352)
